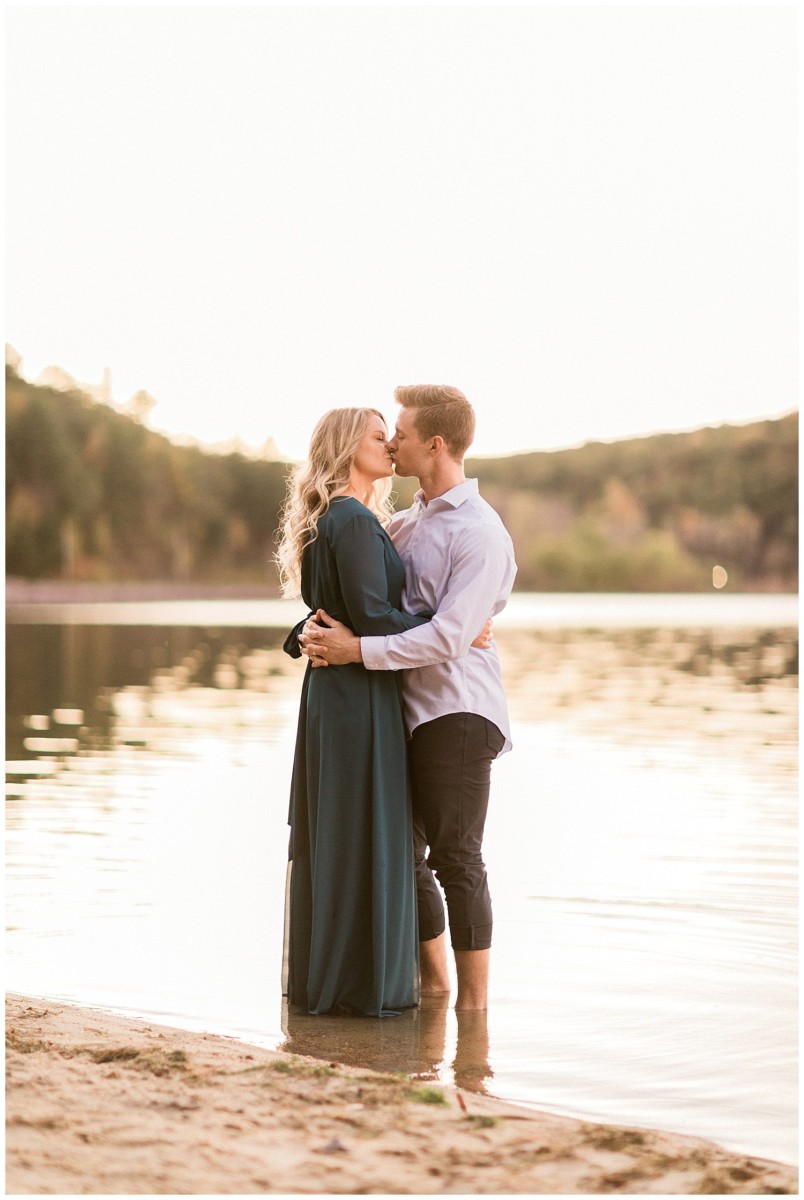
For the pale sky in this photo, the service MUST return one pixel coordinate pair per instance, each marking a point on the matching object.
(585, 217)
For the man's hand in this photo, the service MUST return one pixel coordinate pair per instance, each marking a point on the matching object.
(485, 638)
(328, 642)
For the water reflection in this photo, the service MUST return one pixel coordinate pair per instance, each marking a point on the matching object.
(430, 1043)
(641, 843)
(72, 676)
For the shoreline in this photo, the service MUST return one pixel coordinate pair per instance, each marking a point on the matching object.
(57, 591)
(21, 592)
(105, 1104)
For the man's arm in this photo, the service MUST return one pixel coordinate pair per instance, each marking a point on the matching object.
(341, 646)
(483, 570)
(359, 549)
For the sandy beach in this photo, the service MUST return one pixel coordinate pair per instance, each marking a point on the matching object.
(103, 1104)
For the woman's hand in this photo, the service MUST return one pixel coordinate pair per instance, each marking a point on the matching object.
(485, 638)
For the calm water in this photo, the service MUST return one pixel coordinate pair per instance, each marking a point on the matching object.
(641, 846)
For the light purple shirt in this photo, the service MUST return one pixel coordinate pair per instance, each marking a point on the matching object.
(459, 564)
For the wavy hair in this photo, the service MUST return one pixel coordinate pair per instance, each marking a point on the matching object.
(311, 486)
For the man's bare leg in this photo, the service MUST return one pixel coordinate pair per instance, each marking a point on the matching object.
(433, 966)
(473, 979)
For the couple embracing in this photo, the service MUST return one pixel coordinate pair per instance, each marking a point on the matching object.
(402, 710)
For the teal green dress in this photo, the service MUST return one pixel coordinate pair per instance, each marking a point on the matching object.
(351, 939)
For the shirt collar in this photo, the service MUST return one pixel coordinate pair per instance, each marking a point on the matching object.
(454, 498)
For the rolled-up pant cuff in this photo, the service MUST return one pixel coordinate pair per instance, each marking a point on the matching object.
(471, 937)
(432, 931)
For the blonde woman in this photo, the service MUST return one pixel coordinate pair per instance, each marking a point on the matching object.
(351, 943)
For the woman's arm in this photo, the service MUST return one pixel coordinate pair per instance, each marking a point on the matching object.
(359, 549)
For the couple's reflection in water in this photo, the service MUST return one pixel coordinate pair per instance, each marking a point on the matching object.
(415, 1042)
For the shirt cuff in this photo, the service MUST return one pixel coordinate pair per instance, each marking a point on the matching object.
(374, 653)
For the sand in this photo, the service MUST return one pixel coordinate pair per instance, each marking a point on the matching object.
(103, 1104)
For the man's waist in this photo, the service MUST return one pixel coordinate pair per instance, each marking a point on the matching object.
(459, 677)
(422, 708)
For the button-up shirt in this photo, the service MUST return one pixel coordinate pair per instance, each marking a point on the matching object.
(459, 565)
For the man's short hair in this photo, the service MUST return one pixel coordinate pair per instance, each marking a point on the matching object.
(441, 411)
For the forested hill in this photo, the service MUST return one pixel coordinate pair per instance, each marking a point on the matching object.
(95, 495)
(654, 512)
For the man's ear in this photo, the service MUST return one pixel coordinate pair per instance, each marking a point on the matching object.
(437, 445)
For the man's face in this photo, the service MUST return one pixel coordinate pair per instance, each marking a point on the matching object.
(410, 454)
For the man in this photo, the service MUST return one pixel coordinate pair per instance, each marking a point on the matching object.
(459, 565)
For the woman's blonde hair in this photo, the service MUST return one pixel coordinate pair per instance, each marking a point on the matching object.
(311, 486)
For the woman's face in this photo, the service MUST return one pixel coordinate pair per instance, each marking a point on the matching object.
(372, 459)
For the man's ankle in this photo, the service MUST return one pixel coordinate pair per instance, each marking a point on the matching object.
(473, 980)
(433, 966)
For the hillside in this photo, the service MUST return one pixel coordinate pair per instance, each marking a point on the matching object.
(95, 495)
(655, 513)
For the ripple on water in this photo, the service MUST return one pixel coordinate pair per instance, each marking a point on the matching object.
(641, 846)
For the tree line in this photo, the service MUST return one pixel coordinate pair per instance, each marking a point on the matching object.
(92, 494)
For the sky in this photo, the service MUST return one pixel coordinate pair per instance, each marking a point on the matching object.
(585, 216)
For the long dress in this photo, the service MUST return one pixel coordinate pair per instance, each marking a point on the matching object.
(351, 932)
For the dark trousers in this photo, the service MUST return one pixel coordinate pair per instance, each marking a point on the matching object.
(450, 768)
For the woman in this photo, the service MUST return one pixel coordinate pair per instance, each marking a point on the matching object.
(351, 941)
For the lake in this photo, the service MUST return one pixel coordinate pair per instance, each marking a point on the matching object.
(641, 847)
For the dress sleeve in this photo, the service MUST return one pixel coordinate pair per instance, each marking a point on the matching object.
(291, 644)
(360, 559)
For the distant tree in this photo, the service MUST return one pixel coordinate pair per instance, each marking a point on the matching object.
(726, 495)
(94, 494)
